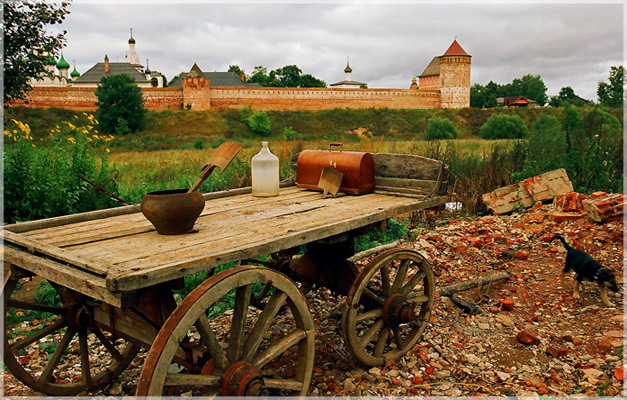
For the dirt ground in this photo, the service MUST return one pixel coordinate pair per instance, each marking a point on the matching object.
(579, 343)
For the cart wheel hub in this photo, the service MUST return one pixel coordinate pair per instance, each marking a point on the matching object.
(397, 310)
(243, 379)
(80, 317)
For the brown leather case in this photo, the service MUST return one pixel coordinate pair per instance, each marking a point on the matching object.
(357, 167)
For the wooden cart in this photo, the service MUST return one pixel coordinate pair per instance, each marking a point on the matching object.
(117, 281)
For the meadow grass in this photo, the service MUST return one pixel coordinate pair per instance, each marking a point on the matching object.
(139, 172)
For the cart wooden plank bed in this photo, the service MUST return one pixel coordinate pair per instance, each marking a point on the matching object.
(116, 279)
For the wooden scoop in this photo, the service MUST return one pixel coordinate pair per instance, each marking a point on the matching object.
(220, 158)
(330, 181)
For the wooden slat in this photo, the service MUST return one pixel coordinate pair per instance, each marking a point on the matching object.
(254, 242)
(407, 166)
(92, 265)
(413, 184)
(83, 282)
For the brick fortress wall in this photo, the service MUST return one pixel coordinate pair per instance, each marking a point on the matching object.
(200, 96)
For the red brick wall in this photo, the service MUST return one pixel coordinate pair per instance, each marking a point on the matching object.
(239, 97)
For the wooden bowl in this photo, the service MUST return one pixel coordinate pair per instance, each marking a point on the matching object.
(172, 212)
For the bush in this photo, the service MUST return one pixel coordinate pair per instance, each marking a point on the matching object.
(546, 148)
(503, 126)
(440, 128)
(259, 123)
(120, 104)
(288, 133)
(42, 180)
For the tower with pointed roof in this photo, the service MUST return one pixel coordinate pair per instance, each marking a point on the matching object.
(455, 77)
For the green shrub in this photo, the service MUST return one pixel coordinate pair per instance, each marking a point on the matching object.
(119, 99)
(440, 128)
(216, 142)
(259, 123)
(375, 237)
(503, 126)
(545, 148)
(41, 179)
(288, 133)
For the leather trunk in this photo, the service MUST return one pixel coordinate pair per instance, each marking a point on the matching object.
(357, 168)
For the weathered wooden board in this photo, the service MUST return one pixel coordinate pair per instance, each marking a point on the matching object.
(63, 274)
(408, 166)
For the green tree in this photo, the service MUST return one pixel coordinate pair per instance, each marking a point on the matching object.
(566, 96)
(27, 44)
(120, 104)
(530, 86)
(611, 94)
(504, 126)
(237, 70)
(482, 96)
(440, 128)
(309, 80)
(259, 75)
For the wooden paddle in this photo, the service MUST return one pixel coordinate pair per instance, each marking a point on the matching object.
(330, 181)
(220, 158)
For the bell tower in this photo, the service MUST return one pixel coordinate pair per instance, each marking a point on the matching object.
(455, 77)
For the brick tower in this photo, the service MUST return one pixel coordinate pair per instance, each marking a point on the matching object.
(455, 77)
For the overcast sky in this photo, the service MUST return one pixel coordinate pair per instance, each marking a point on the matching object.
(566, 44)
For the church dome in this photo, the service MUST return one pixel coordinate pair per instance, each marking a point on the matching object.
(50, 60)
(62, 63)
(348, 69)
(75, 73)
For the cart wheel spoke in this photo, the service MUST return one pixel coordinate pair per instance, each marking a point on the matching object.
(263, 352)
(385, 280)
(56, 356)
(284, 384)
(192, 380)
(108, 345)
(279, 347)
(27, 341)
(419, 276)
(84, 350)
(370, 333)
(401, 310)
(240, 312)
(381, 341)
(38, 359)
(367, 316)
(263, 324)
(26, 305)
(211, 343)
(401, 274)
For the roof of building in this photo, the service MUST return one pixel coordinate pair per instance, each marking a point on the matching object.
(95, 73)
(215, 78)
(432, 69)
(455, 50)
(351, 83)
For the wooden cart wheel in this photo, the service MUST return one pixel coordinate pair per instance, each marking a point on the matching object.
(388, 306)
(48, 360)
(245, 350)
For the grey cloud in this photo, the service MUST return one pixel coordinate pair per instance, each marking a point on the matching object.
(566, 44)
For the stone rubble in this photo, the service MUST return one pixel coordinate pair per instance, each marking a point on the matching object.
(569, 347)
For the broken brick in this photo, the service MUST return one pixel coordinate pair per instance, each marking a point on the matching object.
(596, 195)
(570, 201)
(507, 304)
(507, 199)
(557, 351)
(522, 255)
(602, 208)
(528, 338)
(548, 185)
(566, 216)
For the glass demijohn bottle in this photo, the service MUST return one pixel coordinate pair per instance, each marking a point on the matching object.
(265, 173)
